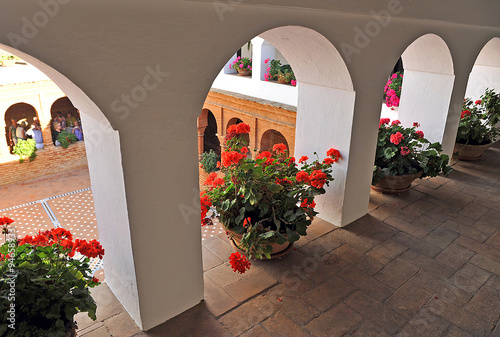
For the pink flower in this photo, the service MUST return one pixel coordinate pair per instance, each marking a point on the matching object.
(249, 68)
(267, 60)
(394, 76)
(396, 138)
(241, 65)
(266, 77)
(383, 121)
(293, 82)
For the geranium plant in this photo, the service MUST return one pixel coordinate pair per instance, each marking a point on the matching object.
(402, 151)
(478, 120)
(269, 199)
(66, 138)
(392, 89)
(276, 71)
(241, 63)
(43, 284)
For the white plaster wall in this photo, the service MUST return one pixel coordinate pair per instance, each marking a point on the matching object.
(102, 145)
(253, 86)
(486, 71)
(425, 98)
(481, 78)
(324, 120)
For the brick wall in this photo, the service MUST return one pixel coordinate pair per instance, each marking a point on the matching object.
(50, 160)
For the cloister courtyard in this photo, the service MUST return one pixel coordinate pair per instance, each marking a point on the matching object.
(423, 263)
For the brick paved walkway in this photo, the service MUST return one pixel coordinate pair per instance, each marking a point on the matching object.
(426, 263)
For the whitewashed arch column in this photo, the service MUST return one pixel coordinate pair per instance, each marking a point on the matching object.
(486, 71)
(427, 85)
(325, 109)
(102, 146)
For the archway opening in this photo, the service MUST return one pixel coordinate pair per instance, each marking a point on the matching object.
(270, 138)
(427, 86)
(102, 150)
(18, 112)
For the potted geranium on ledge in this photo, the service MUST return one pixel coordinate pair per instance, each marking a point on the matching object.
(51, 284)
(477, 129)
(266, 203)
(403, 155)
(243, 65)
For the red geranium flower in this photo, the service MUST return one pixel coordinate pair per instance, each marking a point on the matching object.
(239, 263)
(478, 102)
(334, 154)
(244, 150)
(5, 221)
(396, 138)
(383, 121)
(417, 124)
(279, 148)
(328, 161)
(243, 128)
(302, 176)
(303, 159)
(231, 157)
(420, 134)
(395, 122)
(318, 178)
(405, 150)
(306, 204)
(465, 113)
(264, 154)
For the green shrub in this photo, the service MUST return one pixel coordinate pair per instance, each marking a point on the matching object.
(66, 138)
(25, 149)
(209, 161)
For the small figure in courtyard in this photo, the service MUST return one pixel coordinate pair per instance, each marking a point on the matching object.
(36, 133)
(55, 133)
(60, 119)
(12, 132)
(20, 132)
(70, 122)
(77, 130)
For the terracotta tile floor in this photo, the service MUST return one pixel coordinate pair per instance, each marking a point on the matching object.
(425, 263)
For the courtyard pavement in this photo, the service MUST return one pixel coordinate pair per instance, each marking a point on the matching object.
(424, 263)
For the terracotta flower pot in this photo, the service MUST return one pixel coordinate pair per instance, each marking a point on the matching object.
(470, 152)
(244, 71)
(282, 81)
(277, 251)
(396, 184)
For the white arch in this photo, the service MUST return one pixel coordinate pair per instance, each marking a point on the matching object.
(427, 85)
(102, 145)
(486, 71)
(325, 110)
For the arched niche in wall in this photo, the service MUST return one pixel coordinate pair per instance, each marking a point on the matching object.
(427, 85)
(19, 112)
(270, 138)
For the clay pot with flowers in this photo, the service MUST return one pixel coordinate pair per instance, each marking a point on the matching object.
(243, 65)
(264, 203)
(477, 129)
(403, 155)
(45, 281)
